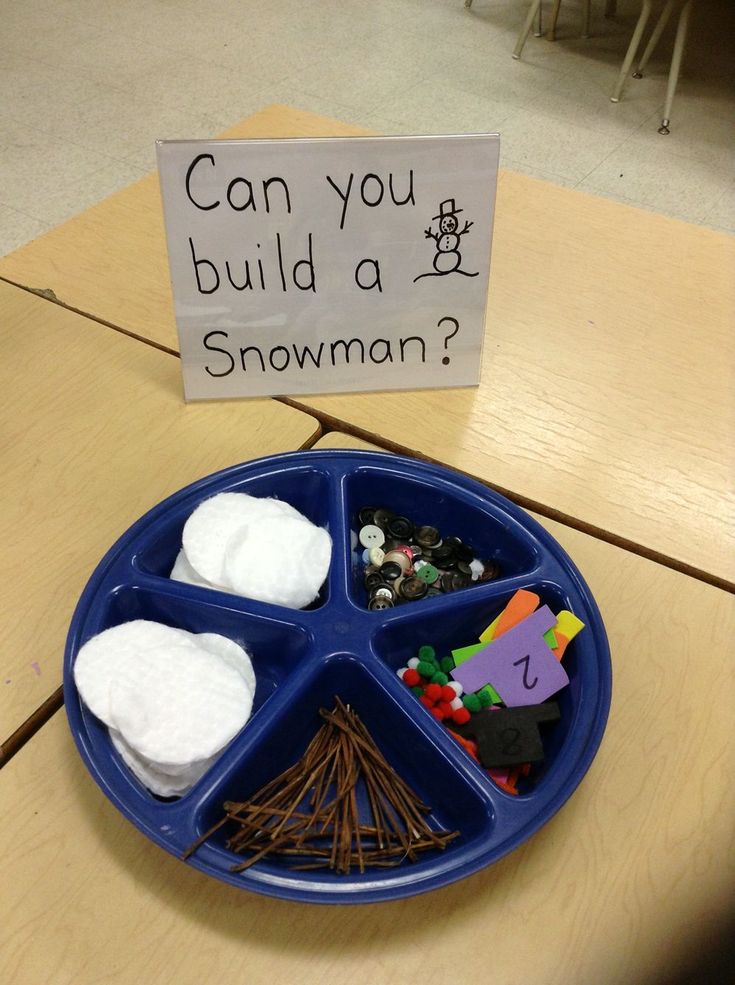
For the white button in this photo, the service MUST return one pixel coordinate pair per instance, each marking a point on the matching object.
(376, 555)
(372, 536)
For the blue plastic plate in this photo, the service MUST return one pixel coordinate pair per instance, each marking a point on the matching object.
(302, 659)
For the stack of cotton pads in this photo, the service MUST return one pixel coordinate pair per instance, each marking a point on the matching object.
(172, 700)
(261, 548)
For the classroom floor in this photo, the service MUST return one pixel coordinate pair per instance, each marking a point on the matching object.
(88, 85)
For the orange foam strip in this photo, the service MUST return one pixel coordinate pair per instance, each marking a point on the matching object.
(520, 607)
(469, 746)
(562, 644)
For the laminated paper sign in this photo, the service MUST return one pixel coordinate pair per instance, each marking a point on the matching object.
(314, 266)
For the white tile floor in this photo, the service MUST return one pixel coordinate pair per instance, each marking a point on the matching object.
(88, 85)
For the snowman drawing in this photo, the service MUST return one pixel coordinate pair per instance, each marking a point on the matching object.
(447, 259)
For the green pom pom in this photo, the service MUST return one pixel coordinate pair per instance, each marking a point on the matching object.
(440, 679)
(418, 691)
(488, 696)
(471, 702)
(426, 669)
(427, 653)
(447, 664)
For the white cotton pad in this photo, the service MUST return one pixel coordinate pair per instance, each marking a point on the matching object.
(183, 571)
(159, 782)
(283, 561)
(214, 522)
(232, 653)
(99, 659)
(176, 705)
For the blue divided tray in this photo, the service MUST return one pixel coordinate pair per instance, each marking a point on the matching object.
(302, 659)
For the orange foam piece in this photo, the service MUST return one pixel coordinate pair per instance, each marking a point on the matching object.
(562, 644)
(469, 746)
(520, 607)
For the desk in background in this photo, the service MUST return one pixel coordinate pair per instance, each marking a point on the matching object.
(606, 394)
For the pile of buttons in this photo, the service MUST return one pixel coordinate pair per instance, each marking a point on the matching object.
(515, 667)
(406, 562)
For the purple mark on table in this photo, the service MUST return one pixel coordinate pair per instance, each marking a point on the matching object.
(519, 665)
(36, 668)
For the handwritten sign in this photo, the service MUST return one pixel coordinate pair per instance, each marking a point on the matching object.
(304, 266)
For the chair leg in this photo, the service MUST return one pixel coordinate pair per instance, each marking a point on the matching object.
(539, 32)
(587, 16)
(611, 8)
(526, 29)
(552, 23)
(680, 41)
(632, 49)
(655, 37)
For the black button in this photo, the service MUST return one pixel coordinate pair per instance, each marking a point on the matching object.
(428, 537)
(492, 570)
(464, 568)
(401, 528)
(372, 579)
(454, 580)
(379, 603)
(391, 570)
(366, 515)
(381, 518)
(443, 555)
(413, 588)
(464, 553)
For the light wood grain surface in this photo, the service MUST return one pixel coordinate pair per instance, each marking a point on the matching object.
(623, 882)
(110, 261)
(607, 386)
(94, 433)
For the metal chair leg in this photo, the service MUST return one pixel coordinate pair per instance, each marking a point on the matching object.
(552, 23)
(539, 32)
(679, 42)
(655, 37)
(632, 49)
(526, 29)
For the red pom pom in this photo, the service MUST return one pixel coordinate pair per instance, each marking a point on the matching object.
(411, 677)
(436, 712)
(426, 701)
(460, 716)
(448, 693)
(433, 692)
(445, 708)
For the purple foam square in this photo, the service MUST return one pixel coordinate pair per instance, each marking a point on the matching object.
(519, 665)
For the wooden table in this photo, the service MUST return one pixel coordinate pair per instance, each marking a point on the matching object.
(601, 404)
(607, 393)
(618, 887)
(95, 433)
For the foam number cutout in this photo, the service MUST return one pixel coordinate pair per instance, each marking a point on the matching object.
(509, 736)
(519, 665)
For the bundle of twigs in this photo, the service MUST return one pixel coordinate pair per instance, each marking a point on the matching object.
(309, 814)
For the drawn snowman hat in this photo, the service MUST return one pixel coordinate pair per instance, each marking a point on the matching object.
(447, 208)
